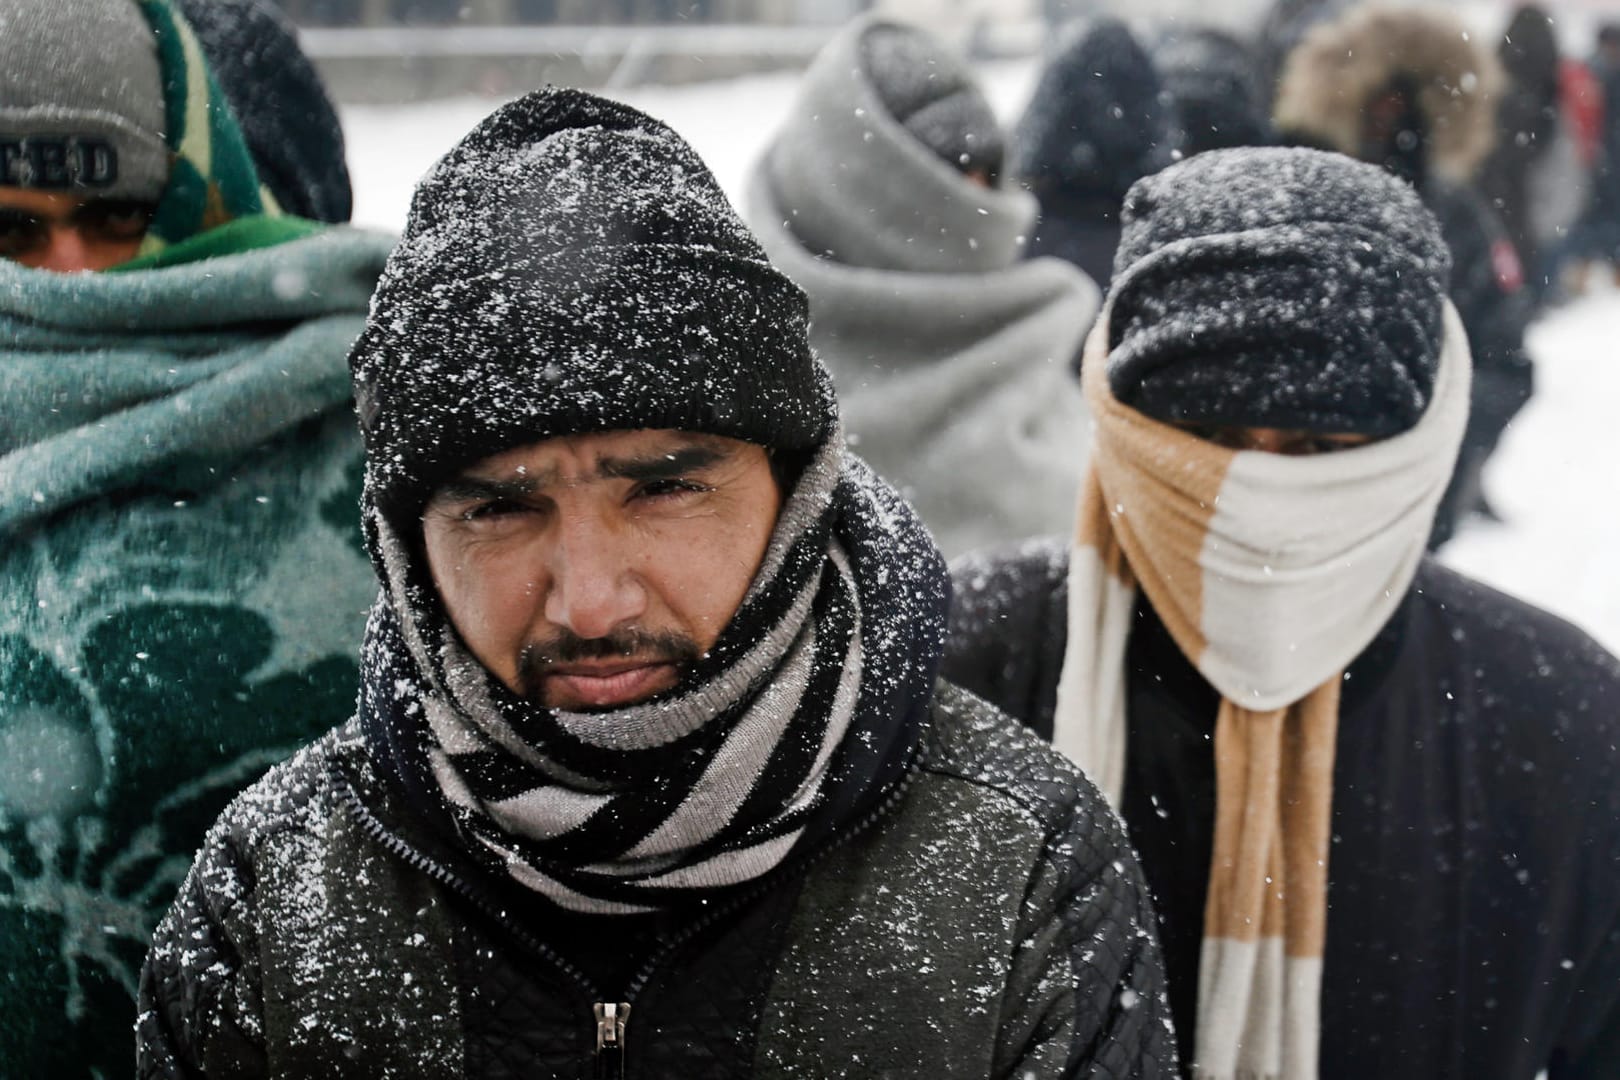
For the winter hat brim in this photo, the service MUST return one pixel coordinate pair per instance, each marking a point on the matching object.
(1279, 288)
(82, 99)
(571, 266)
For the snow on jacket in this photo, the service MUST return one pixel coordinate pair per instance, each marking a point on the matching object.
(953, 361)
(326, 930)
(182, 593)
(1474, 880)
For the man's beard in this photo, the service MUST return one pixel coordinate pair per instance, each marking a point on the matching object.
(643, 646)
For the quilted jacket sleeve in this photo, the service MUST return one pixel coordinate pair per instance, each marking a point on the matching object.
(199, 1006)
(1086, 996)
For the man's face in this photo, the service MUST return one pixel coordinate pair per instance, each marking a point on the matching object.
(587, 572)
(53, 230)
(1290, 442)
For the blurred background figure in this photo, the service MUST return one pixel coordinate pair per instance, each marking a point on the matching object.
(882, 196)
(182, 582)
(1528, 128)
(1596, 237)
(1411, 91)
(1213, 83)
(1098, 122)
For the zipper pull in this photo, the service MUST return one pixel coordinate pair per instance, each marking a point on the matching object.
(611, 1018)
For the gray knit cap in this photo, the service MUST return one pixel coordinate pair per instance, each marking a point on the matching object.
(81, 99)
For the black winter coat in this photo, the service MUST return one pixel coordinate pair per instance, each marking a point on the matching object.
(987, 921)
(1474, 881)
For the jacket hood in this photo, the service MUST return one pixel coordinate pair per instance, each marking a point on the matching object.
(1328, 79)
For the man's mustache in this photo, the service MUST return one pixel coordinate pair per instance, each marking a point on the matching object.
(631, 643)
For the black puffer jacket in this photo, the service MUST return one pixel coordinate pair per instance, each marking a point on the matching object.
(1474, 881)
(987, 921)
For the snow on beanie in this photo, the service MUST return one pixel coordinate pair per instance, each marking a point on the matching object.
(933, 96)
(1283, 288)
(89, 118)
(571, 266)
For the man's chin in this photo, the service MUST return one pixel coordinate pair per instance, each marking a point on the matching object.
(586, 692)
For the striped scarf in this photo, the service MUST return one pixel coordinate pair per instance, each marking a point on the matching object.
(1272, 574)
(212, 179)
(807, 697)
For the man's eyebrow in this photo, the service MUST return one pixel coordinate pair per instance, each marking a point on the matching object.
(470, 488)
(663, 466)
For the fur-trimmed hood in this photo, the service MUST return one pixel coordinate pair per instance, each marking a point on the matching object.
(1328, 79)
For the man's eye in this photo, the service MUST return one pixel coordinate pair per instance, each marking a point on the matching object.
(668, 489)
(492, 511)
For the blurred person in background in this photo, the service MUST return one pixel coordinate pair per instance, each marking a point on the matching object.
(1213, 83)
(1410, 91)
(882, 196)
(651, 774)
(1377, 803)
(1098, 122)
(182, 584)
(1527, 133)
(1596, 237)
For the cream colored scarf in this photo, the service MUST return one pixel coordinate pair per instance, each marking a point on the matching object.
(1272, 574)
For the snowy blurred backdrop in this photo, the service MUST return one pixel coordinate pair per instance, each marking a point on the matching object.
(1555, 481)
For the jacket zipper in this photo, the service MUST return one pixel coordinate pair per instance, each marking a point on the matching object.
(612, 1019)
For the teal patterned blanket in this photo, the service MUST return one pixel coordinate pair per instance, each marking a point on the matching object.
(182, 594)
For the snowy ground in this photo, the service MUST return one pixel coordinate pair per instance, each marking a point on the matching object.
(1556, 479)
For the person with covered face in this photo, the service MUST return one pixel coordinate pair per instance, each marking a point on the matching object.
(1376, 802)
(182, 580)
(882, 196)
(651, 772)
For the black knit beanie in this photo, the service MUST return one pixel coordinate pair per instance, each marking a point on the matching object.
(571, 266)
(933, 95)
(1283, 288)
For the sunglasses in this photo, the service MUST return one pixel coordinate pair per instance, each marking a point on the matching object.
(99, 221)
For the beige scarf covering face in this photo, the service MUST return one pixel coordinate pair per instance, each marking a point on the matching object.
(1272, 574)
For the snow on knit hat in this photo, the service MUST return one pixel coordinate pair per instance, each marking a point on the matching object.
(571, 266)
(933, 96)
(81, 99)
(1283, 288)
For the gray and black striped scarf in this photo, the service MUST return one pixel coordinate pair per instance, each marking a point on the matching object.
(804, 711)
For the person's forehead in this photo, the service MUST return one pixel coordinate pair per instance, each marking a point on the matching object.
(41, 202)
(578, 455)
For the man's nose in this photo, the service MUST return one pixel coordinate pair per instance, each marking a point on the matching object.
(594, 585)
(65, 252)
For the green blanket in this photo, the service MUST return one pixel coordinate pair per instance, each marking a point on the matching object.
(182, 593)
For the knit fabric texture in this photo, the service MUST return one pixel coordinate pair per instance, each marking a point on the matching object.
(1300, 290)
(572, 266)
(81, 99)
